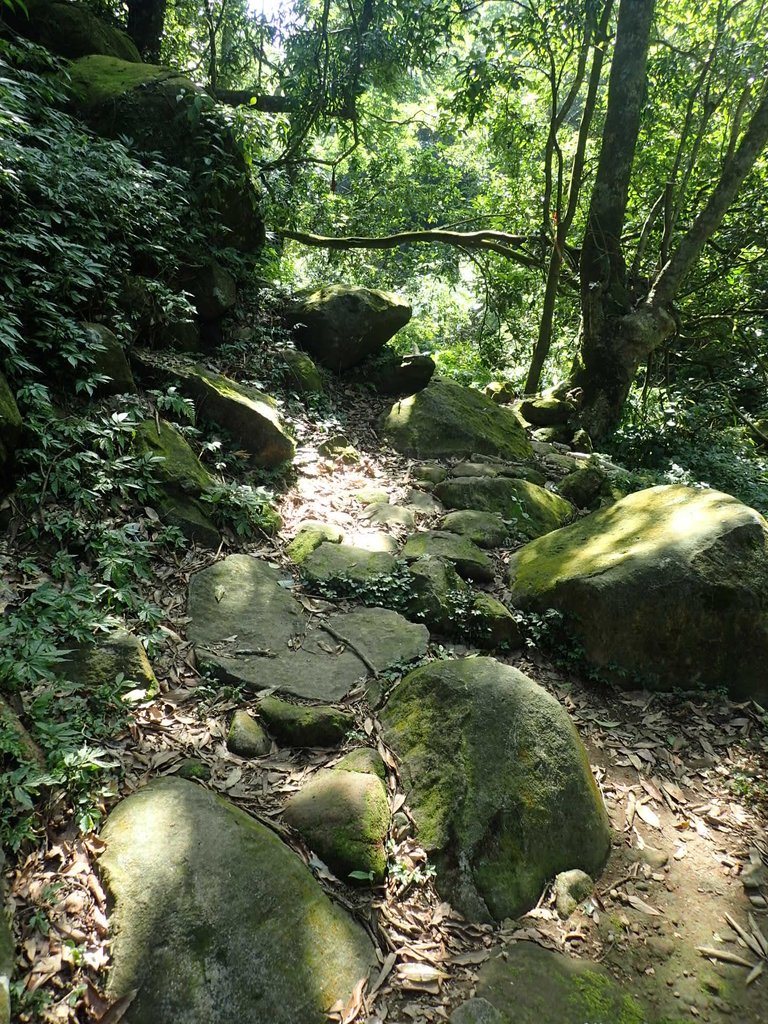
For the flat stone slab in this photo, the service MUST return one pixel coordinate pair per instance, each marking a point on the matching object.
(486, 529)
(249, 629)
(351, 562)
(471, 562)
(216, 919)
(533, 985)
(384, 514)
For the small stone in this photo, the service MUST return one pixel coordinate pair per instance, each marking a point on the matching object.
(246, 737)
(311, 535)
(432, 472)
(649, 855)
(493, 624)
(571, 888)
(423, 502)
(302, 725)
(477, 1011)
(384, 514)
(470, 561)
(193, 769)
(474, 469)
(486, 529)
(372, 496)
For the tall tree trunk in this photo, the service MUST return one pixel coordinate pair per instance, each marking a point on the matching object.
(146, 20)
(600, 372)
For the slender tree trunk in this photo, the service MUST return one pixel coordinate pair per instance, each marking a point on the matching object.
(146, 20)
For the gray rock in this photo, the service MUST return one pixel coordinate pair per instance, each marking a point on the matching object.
(251, 416)
(344, 817)
(669, 584)
(446, 419)
(533, 510)
(110, 361)
(209, 909)
(436, 589)
(341, 325)
(401, 376)
(249, 629)
(310, 535)
(546, 410)
(470, 561)
(571, 889)
(384, 514)
(246, 737)
(304, 725)
(487, 529)
(493, 625)
(477, 1011)
(99, 663)
(301, 373)
(498, 783)
(533, 985)
(365, 760)
(474, 469)
(429, 472)
(421, 502)
(330, 562)
(213, 289)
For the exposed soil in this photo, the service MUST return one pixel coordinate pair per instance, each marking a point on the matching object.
(683, 777)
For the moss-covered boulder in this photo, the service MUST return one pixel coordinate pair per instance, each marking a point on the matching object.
(471, 561)
(213, 289)
(301, 374)
(215, 918)
(331, 564)
(395, 375)
(427, 474)
(446, 419)
(585, 486)
(100, 663)
(341, 325)
(306, 725)
(532, 510)
(667, 587)
(436, 592)
(546, 410)
(498, 782)
(160, 110)
(533, 985)
(246, 736)
(486, 529)
(365, 760)
(493, 625)
(74, 30)
(309, 536)
(245, 412)
(344, 817)
(183, 480)
(110, 361)
(11, 426)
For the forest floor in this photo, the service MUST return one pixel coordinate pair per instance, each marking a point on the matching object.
(683, 779)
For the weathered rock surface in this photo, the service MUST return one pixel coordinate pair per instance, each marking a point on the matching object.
(209, 909)
(446, 419)
(118, 654)
(498, 782)
(546, 411)
(73, 30)
(400, 376)
(384, 514)
(248, 414)
(585, 486)
(214, 290)
(342, 324)
(471, 561)
(304, 725)
(248, 628)
(183, 480)
(424, 503)
(487, 529)
(571, 888)
(493, 625)
(110, 361)
(344, 817)
(436, 589)
(309, 536)
(10, 426)
(669, 584)
(533, 510)
(301, 374)
(331, 562)
(533, 985)
(246, 737)
(156, 107)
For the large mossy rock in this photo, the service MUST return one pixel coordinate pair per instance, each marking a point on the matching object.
(11, 426)
(161, 111)
(471, 561)
(73, 30)
(532, 509)
(215, 919)
(344, 817)
(342, 324)
(398, 375)
(498, 783)
(533, 985)
(446, 419)
(248, 414)
(98, 664)
(669, 586)
(249, 628)
(110, 360)
(183, 480)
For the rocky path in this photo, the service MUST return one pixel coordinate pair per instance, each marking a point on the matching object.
(276, 638)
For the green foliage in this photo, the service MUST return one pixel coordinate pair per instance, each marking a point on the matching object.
(246, 509)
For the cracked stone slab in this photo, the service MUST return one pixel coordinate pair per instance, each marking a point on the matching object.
(249, 629)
